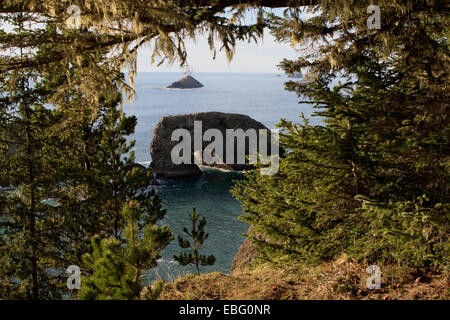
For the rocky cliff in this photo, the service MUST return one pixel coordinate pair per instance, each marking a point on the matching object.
(246, 254)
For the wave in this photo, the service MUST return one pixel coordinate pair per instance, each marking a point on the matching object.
(145, 163)
(208, 168)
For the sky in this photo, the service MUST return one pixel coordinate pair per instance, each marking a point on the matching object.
(249, 58)
(261, 57)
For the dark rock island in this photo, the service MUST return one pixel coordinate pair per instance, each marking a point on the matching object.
(188, 82)
(162, 146)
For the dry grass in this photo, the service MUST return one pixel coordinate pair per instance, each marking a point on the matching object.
(340, 280)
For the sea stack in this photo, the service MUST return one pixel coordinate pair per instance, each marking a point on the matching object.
(188, 82)
(162, 143)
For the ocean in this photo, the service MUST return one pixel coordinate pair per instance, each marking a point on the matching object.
(260, 96)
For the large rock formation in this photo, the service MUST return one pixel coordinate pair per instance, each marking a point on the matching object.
(186, 83)
(162, 146)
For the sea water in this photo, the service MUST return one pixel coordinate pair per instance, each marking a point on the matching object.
(260, 96)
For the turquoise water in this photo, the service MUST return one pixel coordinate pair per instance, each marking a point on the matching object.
(210, 195)
(262, 97)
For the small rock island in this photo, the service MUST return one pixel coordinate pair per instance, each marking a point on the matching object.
(187, 82)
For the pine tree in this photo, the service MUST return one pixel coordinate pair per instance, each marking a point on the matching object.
(64, 163)
(118, 267)
(30, 221)
(112, 178)
(345, 186)
(33, 246)
(198, 236)
(371, 179)
(110, 165)
(128, 242)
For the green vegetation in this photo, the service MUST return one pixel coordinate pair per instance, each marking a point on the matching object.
(31, 225)
(371, 182)
(72, 173)
(117, 268)
(198, 236)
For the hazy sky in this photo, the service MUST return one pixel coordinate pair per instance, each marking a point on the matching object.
(262, 57)
(249, 57)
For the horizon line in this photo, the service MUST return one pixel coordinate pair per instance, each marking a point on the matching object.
(243, 72)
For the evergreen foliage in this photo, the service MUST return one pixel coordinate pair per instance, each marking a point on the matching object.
(118, 267)
(198, 236)
(30, 222)
(128, 242)
(112, 178)
(71, 170)
(59, 202)
(372, 180)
